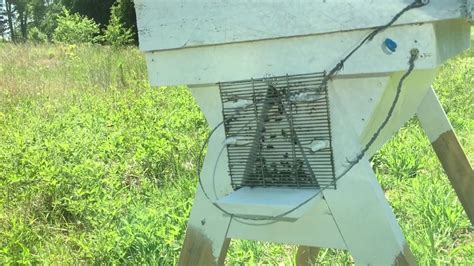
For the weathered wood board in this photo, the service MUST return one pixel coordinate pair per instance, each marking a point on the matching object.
(175, 24)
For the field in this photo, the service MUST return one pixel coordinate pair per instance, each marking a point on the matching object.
(97, 167)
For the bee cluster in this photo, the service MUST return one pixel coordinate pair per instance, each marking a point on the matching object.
(278, 131)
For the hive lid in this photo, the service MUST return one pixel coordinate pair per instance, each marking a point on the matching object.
(176, 24)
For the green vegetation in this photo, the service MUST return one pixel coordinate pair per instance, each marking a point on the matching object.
(116, 34)
(97, 167)
(69, 21)
(74, 28)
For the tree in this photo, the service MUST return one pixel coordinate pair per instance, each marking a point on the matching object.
(10, 17)
(21, 14)
(125, 11)
(3, 29)
(116, 34)
(17, 13)
(38, 8)
(100, 12)
(40, 17)
(3, 22)
(50, 21)
(22, 11)
(73, 28)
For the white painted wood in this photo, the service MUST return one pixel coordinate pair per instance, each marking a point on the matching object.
(209, 65)
(363, 94)
(316, 228)
(359, 207)
(372, 96)
(209, 221)
(175, 24)
(452, 37)
(268, 202)
(454, 160)
(215, 178)
(413, 91)
(369, 228)
(204, 215)
(432, 117)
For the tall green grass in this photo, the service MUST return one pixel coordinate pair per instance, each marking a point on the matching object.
(97, 167)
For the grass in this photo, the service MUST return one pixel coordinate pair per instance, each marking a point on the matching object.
(97, 167)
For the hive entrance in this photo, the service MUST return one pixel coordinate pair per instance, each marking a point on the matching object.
(278, 132)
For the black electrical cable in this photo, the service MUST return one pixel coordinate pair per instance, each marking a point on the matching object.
(332, 72)
(377, 30)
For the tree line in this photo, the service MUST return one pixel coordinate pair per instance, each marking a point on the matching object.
(104, 21)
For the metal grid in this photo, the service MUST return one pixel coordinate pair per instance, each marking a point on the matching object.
(278, 132)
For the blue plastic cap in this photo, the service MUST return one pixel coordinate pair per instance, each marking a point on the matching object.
(390, 44)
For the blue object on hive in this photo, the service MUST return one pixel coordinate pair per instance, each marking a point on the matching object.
(390, 44)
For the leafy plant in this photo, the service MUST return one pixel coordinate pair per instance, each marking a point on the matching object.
(50, 21)
(74, 28)
(36, 36)
(116, 34)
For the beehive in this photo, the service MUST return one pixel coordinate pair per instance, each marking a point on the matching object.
(251, 55)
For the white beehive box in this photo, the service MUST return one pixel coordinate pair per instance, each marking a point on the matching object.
(203, 42)
(234, 40)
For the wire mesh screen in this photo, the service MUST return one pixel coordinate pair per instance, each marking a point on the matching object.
(278, 132)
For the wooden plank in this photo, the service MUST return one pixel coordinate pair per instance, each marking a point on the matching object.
(372, 97)
(315, 228)
(198, 250)
(239, 61)
(456, 165)
(175, 24)
(248, 201)
(307, 256)
(436, 124)
(405, 258)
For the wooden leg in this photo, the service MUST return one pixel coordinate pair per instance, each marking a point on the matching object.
(206, 241)
(198, 250)
(306, 256)
(435, 123)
